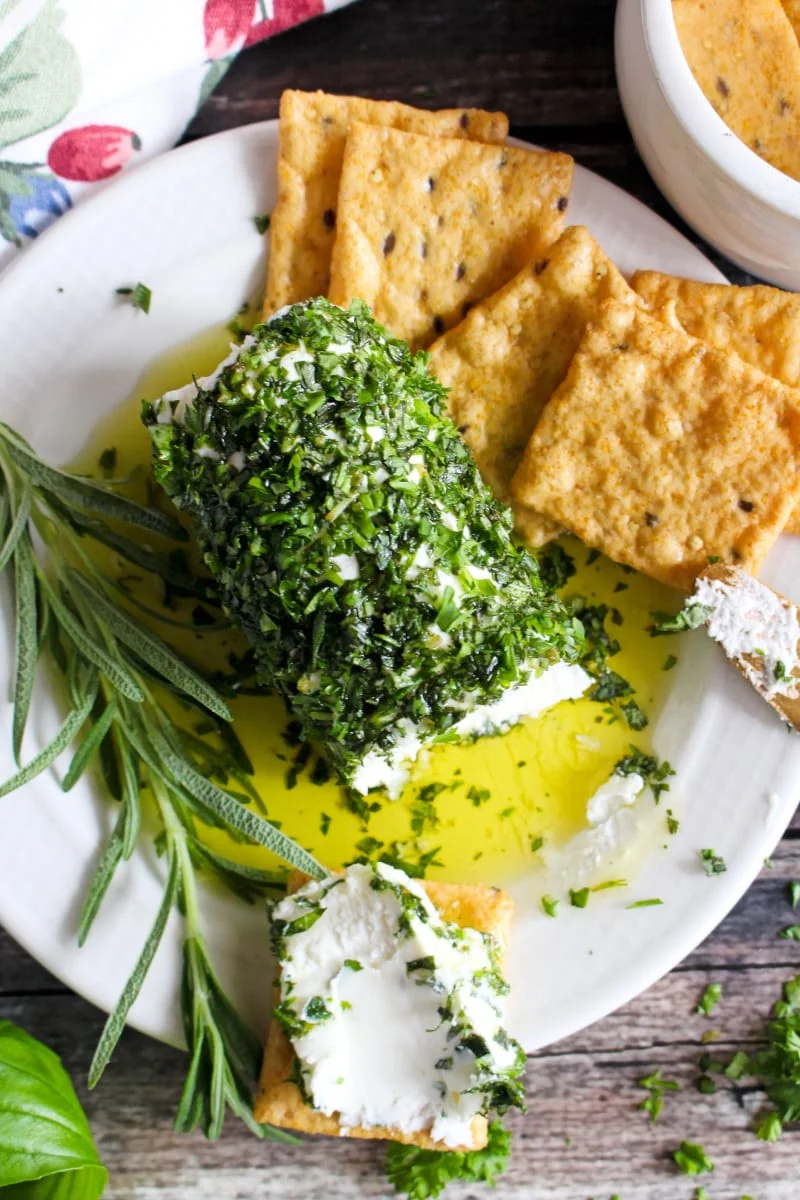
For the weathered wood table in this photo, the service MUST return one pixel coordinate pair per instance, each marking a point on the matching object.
(550, 66)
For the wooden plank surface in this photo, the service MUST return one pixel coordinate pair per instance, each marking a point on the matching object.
(550, 66)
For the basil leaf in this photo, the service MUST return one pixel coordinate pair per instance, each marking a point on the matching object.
(45, 1138)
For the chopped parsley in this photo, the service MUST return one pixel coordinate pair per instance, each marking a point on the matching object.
(656, 1086)
(692, 1159)
(580, 898)
(318, 480)
(324, 823)
(536, 843)
(794, 893)
(669, 662)
(690, 617)
(261, 222)
(108, 461)
(140, 296)
(651, 903)
(556, 566)
(550, 906)
(713, 864)
(709, 999)
(653, 771)
(791, 933)
(424, 1174)
(673, 824)
(479, 796)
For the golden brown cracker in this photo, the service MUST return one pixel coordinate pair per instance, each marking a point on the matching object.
(505, 360)
(313, 128)
(792, 10)
(662, 451)
(427, 227)
(280, 1102)
(746, 58)
(761, 324)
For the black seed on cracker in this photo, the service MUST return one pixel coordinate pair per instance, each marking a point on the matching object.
(461, 271)
(329, 218)
(650, 519)
(746, 505)
(722, 87)
(561, 203)
(438, 325)
(540, 265)
(431, 183)
(464, 122)
(389, 244)
(423, 250)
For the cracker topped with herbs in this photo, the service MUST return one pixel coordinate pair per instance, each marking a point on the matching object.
(427, 227)
(313, 129)
(662, 451)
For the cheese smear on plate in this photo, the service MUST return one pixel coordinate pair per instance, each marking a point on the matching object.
(396, 1016)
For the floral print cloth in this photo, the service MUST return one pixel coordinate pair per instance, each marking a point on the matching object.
(91, 87)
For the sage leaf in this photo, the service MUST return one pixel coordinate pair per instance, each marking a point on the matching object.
(44, 1134)
(86, 494)
(18, 527)
(151, 649)
(116, 1021)
(104, 873)
(231, 813)
(68, 731)
(115, 671)
(26, 642)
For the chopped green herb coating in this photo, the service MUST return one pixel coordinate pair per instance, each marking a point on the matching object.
(350, 534)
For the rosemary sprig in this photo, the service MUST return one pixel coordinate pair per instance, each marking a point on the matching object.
(119, 678)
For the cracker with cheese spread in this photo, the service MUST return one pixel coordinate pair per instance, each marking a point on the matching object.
(280, 1101)
(662, 451)
(313, 129)
(427, 227)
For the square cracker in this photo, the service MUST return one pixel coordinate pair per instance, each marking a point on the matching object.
(661, 451)
(761, 324)
(280, 1102)
(746, 59)
(505, 360)
(313, 128)
(429, 226)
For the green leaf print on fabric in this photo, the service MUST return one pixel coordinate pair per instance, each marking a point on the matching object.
(40, 77)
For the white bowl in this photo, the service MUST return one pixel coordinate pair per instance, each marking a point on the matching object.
(744, 207)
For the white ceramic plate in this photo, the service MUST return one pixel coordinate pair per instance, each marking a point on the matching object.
(184, 224)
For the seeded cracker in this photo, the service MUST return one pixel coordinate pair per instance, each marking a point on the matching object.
(313, 128)
(427, 227)
(662, 451)
(761, 324)
(505, 360)
(746, 59)
(279, 1101)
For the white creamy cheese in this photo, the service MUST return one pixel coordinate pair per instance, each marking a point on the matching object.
(346, 565)
(171, 407)
(373, 1045)
(562, 681)
(614, 820)
(749, 618)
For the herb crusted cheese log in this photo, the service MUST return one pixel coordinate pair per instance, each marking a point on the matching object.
(351, 537)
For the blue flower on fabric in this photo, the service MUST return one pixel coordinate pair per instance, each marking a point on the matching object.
(30, 199)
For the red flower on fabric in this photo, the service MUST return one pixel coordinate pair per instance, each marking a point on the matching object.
(286, 14)
(92, 152)
(225, 25)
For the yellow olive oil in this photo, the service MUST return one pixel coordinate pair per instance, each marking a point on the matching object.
(486, 808)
